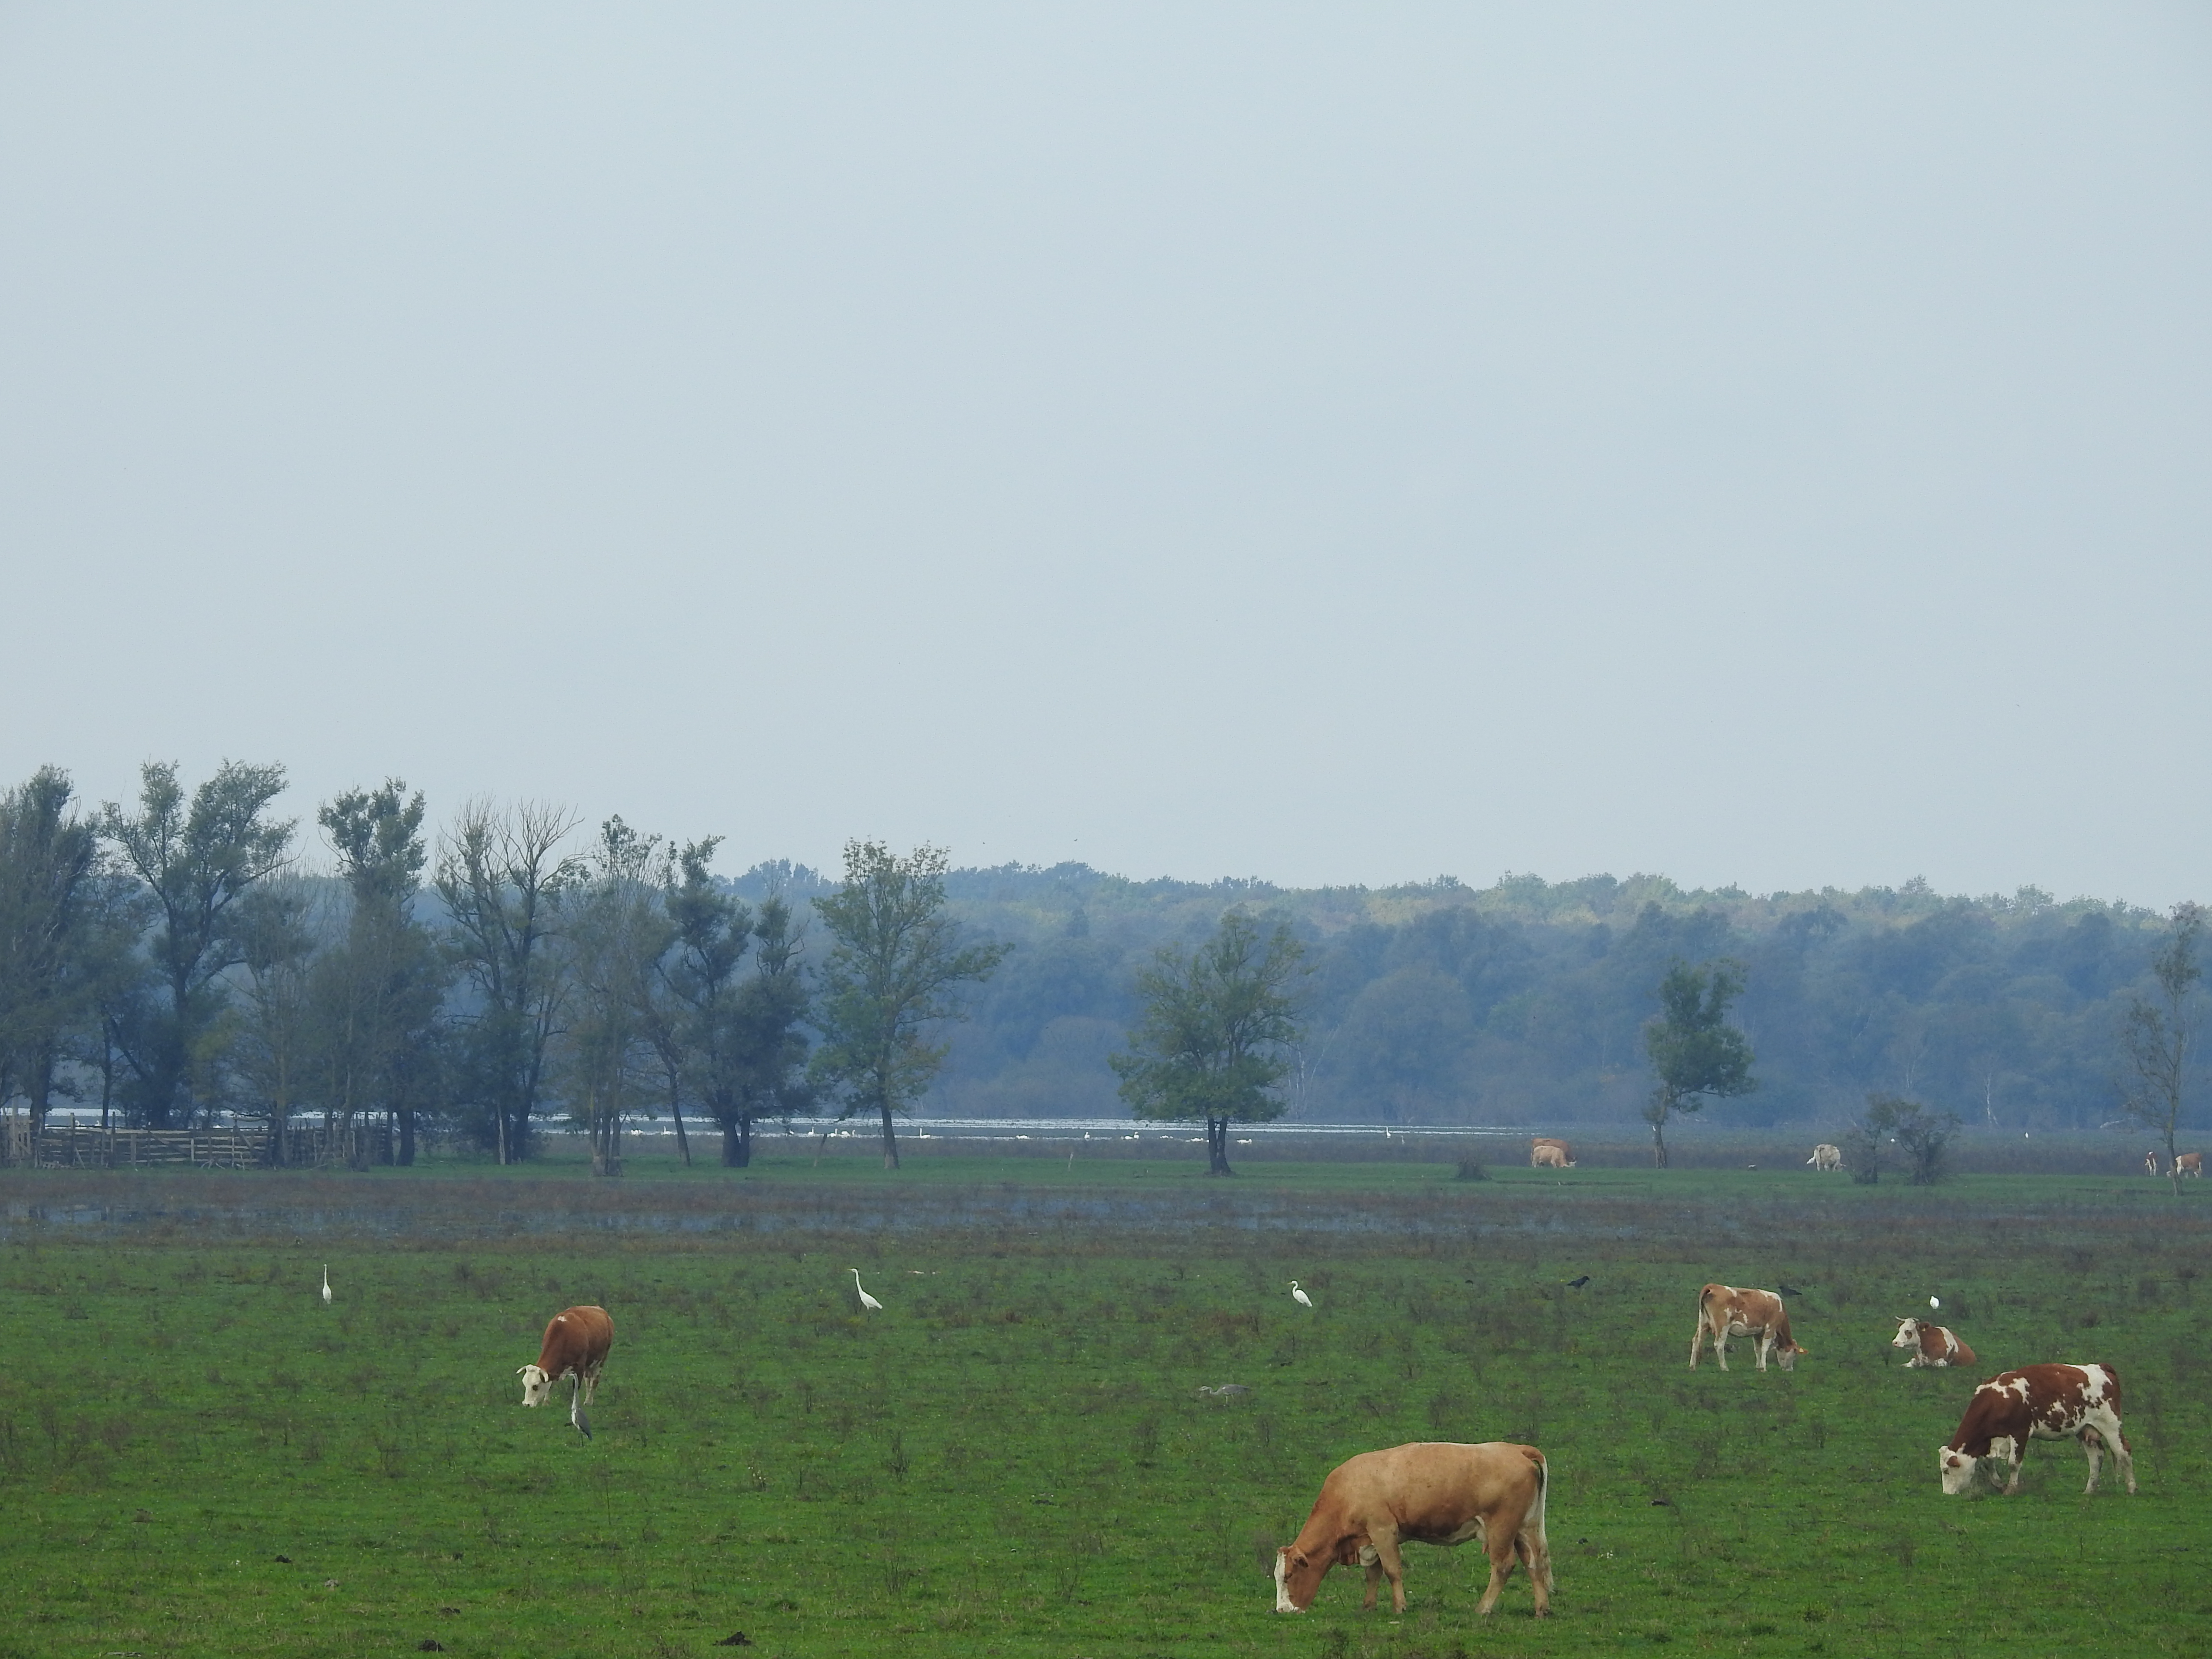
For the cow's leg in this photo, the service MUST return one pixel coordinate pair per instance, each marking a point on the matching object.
(1764, 1345)
(1535, 1553)
(2012, 1458)
(1500, 1546)
(1720, 1344)
(1698, 1339)
(1393, 1566)
(2093, 1447)
(2123, 1454)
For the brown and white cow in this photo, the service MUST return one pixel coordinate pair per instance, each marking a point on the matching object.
(1545, 1153)
(1725, 1311)
(2188, 1163)
(1932, 1343)
(1429, 1492)
(575, 1346)
(1826, 1156)
(2150, 1163)
(2037, 1402)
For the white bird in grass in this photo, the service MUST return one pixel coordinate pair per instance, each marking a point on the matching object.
(1936, 1301)
(1299, 1295)
(326, 1284)
(867, 1301)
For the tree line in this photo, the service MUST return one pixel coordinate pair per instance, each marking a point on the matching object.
(167, 961)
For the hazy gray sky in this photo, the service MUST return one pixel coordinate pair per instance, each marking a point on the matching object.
(1335, 444)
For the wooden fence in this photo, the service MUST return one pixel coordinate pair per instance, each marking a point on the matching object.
(71, 1146)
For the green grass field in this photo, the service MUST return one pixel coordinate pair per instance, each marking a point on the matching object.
(196, 1457)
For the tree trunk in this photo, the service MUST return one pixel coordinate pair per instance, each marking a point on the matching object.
(1659, 1142)
(683, 1144)
(734, 1150)
(1217, 1147)
(891, 1141)
(406, 1117)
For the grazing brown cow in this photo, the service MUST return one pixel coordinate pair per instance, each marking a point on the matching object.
(1545, 1153)
(2188, 1163)
(576, 1344)
(1725, 1311)
(1429, 1492)
(2037, 1402)
(1933, 1344)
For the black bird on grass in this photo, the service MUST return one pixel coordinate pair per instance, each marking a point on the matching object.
(1790, 1290)
(1576, 1284)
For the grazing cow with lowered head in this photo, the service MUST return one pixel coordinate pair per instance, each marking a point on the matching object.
(1545, 1153)
(1826, 1156)
(1932, 1343)
(2037, 1402)
(1431, 1492)
(1724, 1311)
(2190, 1163)
(576, 1344)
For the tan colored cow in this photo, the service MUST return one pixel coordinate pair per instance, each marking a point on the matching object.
(1429, 1492)
(1932, 1343)
(2188, 1163)
(2037, 1402)
(1724, 1311)
(1545, 1153)
(1826, 1156)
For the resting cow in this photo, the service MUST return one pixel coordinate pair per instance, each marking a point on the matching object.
(1545, 1153)
(575, 1346)
(1429, 1492)
(1932, 1343)
(1826, 1156)
(2037, 1402)
(1724, 1311)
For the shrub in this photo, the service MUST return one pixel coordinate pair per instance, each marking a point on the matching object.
(1922, 1141)
(1470, 1168)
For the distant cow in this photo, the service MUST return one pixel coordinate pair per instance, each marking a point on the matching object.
(575, 1346)
(1826, 1156)
(1724, 1311)
(2037, 1402)
(1431, 1492)
(1933, 1344)
(1545, 1153)
(2190, 1163)
(2150, 1163)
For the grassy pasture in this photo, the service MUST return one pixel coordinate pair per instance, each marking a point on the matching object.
(196, 1457)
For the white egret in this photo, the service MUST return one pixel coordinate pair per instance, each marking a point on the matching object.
(1936, 1301)
(326, 1284)
(1299, 1295)
(867, 1301)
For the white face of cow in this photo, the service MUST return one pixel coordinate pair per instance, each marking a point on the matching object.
(1957, 1470)
(536, 1385)
(1908, 1333)
(1283, 1602)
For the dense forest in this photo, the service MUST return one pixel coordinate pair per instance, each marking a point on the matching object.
(1524, 1002)
(190, 958)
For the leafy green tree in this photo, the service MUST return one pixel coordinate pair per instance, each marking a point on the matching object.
(738, 1045)
(378, 989)
(894, 967)
(618, 934)
(1695, 1053)
(197, 859)
(1213, 1040)
(2159, 1032)
(1922, 1137)
(49, 937)
(502, 879)
(275, 1048)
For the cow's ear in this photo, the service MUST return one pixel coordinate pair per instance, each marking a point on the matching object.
(1298, 1559)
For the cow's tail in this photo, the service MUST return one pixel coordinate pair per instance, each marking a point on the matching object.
(1533, 1526)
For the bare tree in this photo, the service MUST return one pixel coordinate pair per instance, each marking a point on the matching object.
(2159, 1032)
(503, 879)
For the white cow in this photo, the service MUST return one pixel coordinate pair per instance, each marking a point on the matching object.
(1826, 1156)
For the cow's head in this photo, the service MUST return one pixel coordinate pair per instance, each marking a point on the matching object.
(1957, 1471)
(1908, 1334)
(536, 1385)
(1290, 1560)
(1788, 1352)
